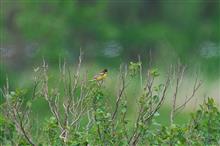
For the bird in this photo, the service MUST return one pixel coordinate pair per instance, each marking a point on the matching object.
(101, 76)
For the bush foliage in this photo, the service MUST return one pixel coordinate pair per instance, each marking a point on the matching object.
(80, 115)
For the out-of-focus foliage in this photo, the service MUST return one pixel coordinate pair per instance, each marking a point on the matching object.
(134, 68)
(108, 30)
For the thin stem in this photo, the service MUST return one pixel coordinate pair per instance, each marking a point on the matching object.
(119, 95)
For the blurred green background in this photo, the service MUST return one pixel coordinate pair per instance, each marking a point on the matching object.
(109, 32)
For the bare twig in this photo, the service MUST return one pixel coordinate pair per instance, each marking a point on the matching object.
(121, 91)
(179, 75)
(69, 107)
(73, 107)
(196, 86)
(178, 78)
(21, 126)
(53, 106)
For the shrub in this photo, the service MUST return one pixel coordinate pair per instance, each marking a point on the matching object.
(80, 114)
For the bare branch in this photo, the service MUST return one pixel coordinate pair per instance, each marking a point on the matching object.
(121, 91)
(21, 126)
(179, 75)
(53, 107)
(196, 86)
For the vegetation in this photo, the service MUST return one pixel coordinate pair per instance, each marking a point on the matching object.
(81, 115)
(111, 32)
(141, 102)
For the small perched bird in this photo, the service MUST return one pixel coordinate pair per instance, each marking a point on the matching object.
(101, 76)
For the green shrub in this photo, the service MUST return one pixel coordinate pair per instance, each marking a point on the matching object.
(81, 115)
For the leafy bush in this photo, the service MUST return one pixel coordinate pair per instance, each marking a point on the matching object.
(80, 114)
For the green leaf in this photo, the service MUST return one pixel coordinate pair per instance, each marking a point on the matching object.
(28, 104)
(123, 110)
(154, 72)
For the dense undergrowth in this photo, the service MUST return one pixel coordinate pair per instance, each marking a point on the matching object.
(81, 115)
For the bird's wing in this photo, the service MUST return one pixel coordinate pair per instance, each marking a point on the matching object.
(98, 75)
(101, 73)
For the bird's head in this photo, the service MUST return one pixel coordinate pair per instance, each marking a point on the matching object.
(105, 70)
